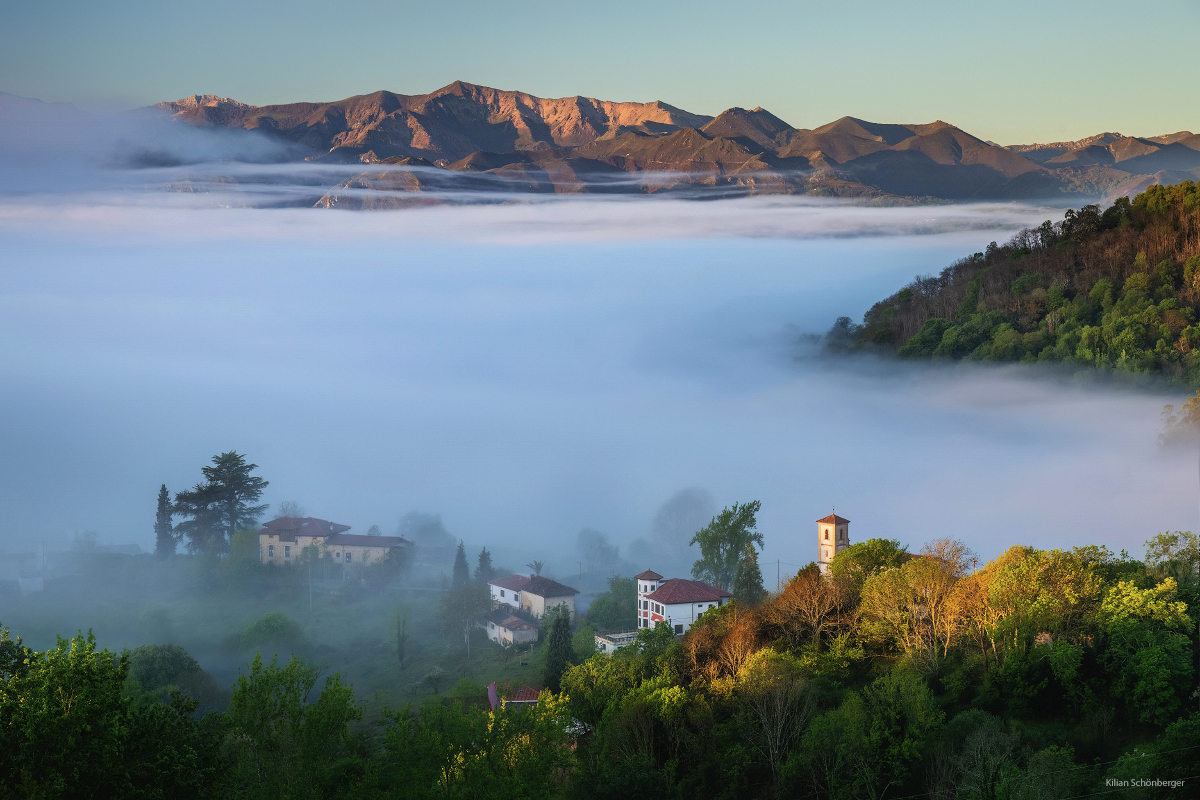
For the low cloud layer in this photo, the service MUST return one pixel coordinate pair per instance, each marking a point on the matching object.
(529, 370)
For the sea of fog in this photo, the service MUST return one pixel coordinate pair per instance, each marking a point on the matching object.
(528, 369)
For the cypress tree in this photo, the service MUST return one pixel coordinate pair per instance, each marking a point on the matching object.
(559, 650)
(484, 571)
(462, 571)
(164, 531)
(748, 583)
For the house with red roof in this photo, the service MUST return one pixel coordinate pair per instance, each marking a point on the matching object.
(676, 601)
(504, 628)
(281, 541)
(507, 590)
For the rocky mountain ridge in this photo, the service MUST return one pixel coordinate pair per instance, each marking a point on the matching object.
(478, 138)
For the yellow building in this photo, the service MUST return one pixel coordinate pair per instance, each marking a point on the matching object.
(282, 540)
(541, 594)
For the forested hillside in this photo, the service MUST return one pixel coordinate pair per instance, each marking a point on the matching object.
(1041, 674)
(1117, 289)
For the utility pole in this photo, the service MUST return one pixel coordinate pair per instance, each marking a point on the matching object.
(777, 576)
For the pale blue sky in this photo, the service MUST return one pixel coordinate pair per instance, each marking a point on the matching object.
(1012, 72)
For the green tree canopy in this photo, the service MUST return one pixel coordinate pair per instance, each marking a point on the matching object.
(559, 652)
(221, 505)
(462, 571)
(484, 571)
(164, 530)
(748, 583)
(862, 560)
(285, 745)
(617, 608)
(723, 542)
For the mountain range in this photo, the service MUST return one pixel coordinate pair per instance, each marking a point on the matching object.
(475, 138)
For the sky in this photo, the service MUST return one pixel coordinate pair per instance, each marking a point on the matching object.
(1012, 72)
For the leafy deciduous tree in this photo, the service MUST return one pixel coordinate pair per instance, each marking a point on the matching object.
(723, 541)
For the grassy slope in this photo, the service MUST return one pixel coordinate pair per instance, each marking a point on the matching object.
(204, 607)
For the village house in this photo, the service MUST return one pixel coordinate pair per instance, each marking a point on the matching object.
(540, 594)
(610, 642)
(504, 628)
(677, 601)
(507, 590)
(281, 541)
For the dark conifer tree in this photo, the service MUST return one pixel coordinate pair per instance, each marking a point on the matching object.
(462, 571)
(223, 505)
(484, 571)
(558, 649)
(164, 531)
(748, 583)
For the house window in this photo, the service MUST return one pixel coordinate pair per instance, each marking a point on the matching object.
(645, 604)
(516, 597)
(347, 556)
(827, 536)
(678, 630)
(502, 593)
(287, 551)
(270, 551)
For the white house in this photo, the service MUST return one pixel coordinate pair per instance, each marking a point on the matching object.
(507, 590)
(505, 628)
(610, 642)
(677, 601)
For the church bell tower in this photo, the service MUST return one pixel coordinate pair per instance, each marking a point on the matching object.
(833, 536)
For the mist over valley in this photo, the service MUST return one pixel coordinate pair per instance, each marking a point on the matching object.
(568, 446)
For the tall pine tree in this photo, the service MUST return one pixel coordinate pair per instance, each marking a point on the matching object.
(164, 531)
(222, 506)
(748, 583)
(462, 571)
(558, 648)
(484, 571)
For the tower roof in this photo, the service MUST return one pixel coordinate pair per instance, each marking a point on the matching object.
(648, 575)
(833, 519)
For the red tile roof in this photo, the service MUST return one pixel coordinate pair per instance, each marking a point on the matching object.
(526, 694)
(648, 575)
(833, 519)
(681, 590)
(513, 582)
(544, 587)
(305, 526)
(504, 618)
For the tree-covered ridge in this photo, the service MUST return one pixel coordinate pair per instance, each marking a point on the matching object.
(1116, 289)
(1038, 674)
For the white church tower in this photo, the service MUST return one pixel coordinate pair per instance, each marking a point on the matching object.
(833, 536)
